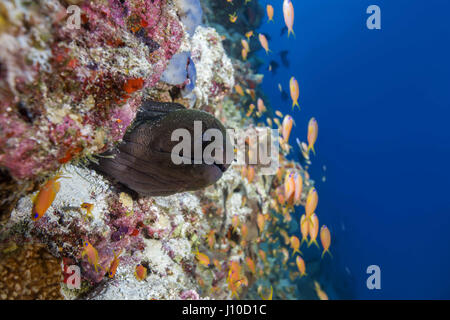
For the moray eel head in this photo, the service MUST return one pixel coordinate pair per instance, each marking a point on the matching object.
(143, 160)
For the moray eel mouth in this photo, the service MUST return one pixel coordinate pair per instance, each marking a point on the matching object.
(143, 160)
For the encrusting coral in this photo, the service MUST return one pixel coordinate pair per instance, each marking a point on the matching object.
(28, 271)
(69, 94)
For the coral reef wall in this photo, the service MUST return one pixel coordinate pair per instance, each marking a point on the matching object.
(68, 93)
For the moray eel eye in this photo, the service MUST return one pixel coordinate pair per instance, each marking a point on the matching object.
(143, 163)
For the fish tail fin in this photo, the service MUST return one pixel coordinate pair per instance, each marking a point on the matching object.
(317, 245)
(325, 251)
(311, 148)
(291, 31)
(298, 251)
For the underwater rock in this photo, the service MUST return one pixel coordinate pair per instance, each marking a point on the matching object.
(214, 70)
(143, 161)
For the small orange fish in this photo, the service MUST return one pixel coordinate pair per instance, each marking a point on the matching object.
(140, 272)
(295, 244)
(262, 254)
(217, 264)
(239, 90)
(269, 10)
(286, 127)
(203, 259)
(244, 54)
(251, 174)
(244, 231)
(278, 113)
(270, 295)
(304, 229)
(261, 106)
(313, 228)
(288, 12)
(320, 293)
(263, 40)
(251, 264)
(250, 109)
(88, 207)
(289, 186)
(114, 264)
(285, 254)
(313, 130)
(325, 238)
(235, 222)
(211, 238)
(251, 92)
(92, 254)
(260, 221)
(233, 17)
(301, 266)
(293, 86)
(298, 184)
(311, 203)
(249, 34)
(245, 45)
(45, 198)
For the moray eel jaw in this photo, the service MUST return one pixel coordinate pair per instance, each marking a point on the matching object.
(142, 161)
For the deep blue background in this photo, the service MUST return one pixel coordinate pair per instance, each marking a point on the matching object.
(382, 101)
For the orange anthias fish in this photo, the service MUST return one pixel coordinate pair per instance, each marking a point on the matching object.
(311, 203)
(249, 34)
(289, 186)
(245, 45)
(269, 297)
(232, 17)
(325, 238)
(88, 207)
(260, 221)
(244, 231)
(250, 109)
(203, 259)
(140, 272)
(320, 293)
(313, 228)
(251, 174)
(235, 222)
(91, 253)
(269, 10)
(286, 127)
(304, 229)
(251, 264)
(298, 184)
(295, 244)
(244, 54)
(313, 130)
(301, 266)
(285, 254)
(261, 106)
(288, 12)
(293, 86)
(114, 264)
(211, 238)
(239, 90)
(45, 197)
(262, 254)
(263, 40)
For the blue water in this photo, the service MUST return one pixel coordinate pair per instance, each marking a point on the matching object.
(382, 101)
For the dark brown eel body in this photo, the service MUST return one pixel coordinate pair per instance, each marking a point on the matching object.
(142, 161)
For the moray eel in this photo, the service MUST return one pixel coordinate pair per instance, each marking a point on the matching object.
(142, 161)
